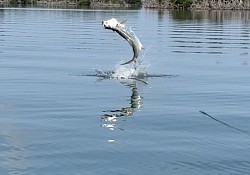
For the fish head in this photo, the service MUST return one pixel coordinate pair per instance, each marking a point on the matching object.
(113, 24)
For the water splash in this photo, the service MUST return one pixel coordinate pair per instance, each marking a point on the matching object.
(124, 72)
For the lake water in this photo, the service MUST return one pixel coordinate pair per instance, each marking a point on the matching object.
(190, 115)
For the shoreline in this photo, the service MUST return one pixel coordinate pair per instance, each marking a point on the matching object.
(149, 4)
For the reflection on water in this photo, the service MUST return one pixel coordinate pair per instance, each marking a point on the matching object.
(111, 116)
(130, 78)
(224, 33)
(217, 16)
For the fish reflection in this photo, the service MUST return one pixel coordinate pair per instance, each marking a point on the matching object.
(110, 117)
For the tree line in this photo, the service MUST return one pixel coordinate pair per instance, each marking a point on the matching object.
(199, 4)
(178, 4)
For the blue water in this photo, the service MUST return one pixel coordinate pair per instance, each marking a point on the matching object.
(58, 116)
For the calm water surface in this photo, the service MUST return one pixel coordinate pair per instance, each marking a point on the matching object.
(56, 114)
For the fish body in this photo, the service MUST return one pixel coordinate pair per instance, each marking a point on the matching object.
(119, 27)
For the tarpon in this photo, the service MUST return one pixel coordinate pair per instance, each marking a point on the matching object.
(119, 27)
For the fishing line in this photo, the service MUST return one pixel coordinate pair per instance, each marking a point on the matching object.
(215, 119)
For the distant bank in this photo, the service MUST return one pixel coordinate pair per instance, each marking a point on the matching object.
(164, 4)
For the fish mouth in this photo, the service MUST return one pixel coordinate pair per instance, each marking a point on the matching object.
(105, 26)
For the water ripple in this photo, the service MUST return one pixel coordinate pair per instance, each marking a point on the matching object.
(196, 39)
(55, 123)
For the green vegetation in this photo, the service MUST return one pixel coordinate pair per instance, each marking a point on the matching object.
(170, 4)
(181, 3)
(23, 2)
(84, 2)
(134, 3)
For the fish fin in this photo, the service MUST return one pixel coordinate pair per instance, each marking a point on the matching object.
(124, 21)
(130, 61)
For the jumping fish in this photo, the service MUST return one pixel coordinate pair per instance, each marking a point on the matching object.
(119, 27)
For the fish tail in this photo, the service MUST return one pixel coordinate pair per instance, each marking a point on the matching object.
(130, 61)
